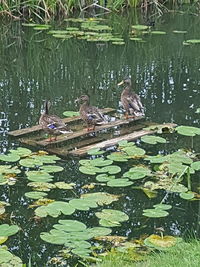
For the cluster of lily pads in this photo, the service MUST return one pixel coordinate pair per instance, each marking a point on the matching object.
(93, 30)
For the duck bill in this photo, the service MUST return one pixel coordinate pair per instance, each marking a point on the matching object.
(122, 82)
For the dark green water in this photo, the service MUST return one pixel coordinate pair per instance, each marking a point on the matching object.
(35, 66)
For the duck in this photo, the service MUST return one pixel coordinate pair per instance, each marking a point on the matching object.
(91, 115)
(52, 124)
(131, 102)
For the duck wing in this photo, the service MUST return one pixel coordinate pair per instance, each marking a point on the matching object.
(93, 114)
(135, 102)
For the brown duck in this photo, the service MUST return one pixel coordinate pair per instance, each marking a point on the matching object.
(90, 114)
(52, 124)
(131, 101)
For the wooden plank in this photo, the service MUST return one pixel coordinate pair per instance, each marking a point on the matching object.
(38, 128)
(66, 137)
(132, 136)
(64, 150)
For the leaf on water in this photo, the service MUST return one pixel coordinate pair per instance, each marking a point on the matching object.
(138, 172)
(21, 151)
(8, 230)
(159, 242)
(113, 169)
(35, 195)
(70, 226)
(83, 204)
(63, 185)
(162, 206)
(70, 113)
(101, 198)
(196, 165)
(3, 239)
(119, 182)
(95, 151)
(99, 231)
(181, 32)
(100, 162)
(188, 130)
(41, 186)
(140, 27)
(193, 41)
(134, 151)
(158, 32)
(54, 209)
(104, 177)
(112, 215)
(51, 168)
(187, 195)
(39, 176)
(150, 193)
(152, 139)
(118, 156)
(30, 162)
(155, 213)
(7, 259)
(87, 169)
(11, 157)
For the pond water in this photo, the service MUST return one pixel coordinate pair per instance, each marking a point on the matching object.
(35, 66)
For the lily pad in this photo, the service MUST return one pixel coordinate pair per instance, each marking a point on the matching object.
(140, 27)
(91, 170)
(137, 172)
(21, 151)
(71, 113)
(70, 226)
(162, 206)
(134, 151)
(30, 162)
(119, 182)
(104, 177)
(155, 213)
(187, 195)
(113, 169)
(188, 130)
(65, 186)
(83, 204)
(101, 198)
(11, 157)
(7, 259)
(54, 209)
(152, 139)
(196, 165)
(8, 230)
(95, 151)
(35, 195)
(41, 186)
(39, 176)
(159, 242)
(118, 156)
(99, 231)
(110, 217)
(51, 168)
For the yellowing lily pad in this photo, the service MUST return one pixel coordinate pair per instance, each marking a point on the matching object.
(159, 242)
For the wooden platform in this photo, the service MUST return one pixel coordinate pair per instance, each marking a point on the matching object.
(80, 141)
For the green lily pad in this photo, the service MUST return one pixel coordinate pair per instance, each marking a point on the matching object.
(193, 41)
(119, 182)
(39, 176)
(70, 226)
(7, 259)
(65, 186)
(51, 168)
(41, 186)
(46, 158)
(35, 195)
(136, 173)
(118, 156)
(11, 157)
(104, 177)
(112, 216)
(21, 151)
(83, 204)
(196, 165)
(108, 223)
(100, 162)
(87, 169)
(54, 209)
(155, 213)
(162, 206)
(158, 32)
(140, 27)
(187, 195)
(113, 169)
(71, 113)
(188, 130)
(181, 32)
(95, 151)
(101, 198)
(99, 231)
(152, 139)
(30, 162)
(134, 151)
(8, 230)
